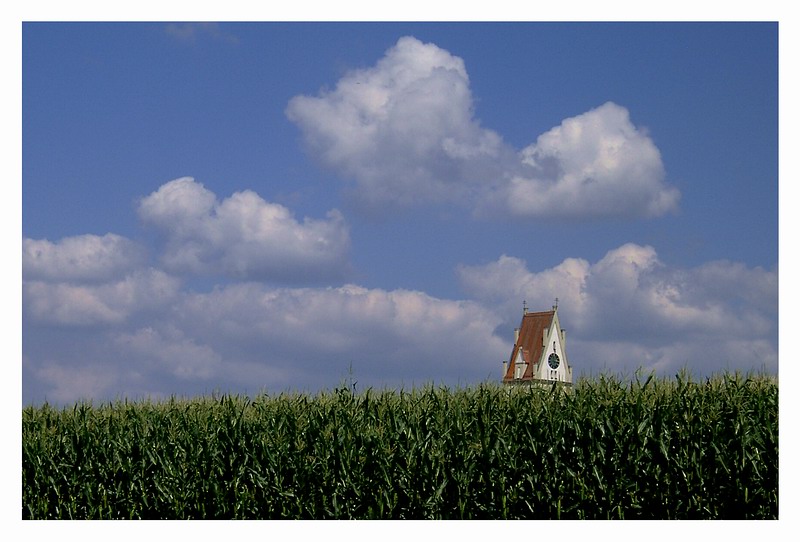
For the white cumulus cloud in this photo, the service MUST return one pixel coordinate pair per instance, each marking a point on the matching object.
(243, 236)
(90, 280)
(595, 164)
(68, 383)
(405, 132)
(171, 351)
(629, 309)
(111, 302)
(251, 337)
(80, 258)
(318, 331)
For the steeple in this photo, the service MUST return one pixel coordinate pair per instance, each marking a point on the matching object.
(539, 353)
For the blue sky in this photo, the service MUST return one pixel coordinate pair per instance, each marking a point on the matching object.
(254, 207)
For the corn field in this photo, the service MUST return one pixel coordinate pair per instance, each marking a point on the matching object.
(606, 448)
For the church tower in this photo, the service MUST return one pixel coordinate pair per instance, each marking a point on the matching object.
(539, 354)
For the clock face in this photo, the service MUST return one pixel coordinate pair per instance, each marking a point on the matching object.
(553, 361)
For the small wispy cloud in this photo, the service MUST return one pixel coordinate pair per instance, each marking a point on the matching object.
(191, 32)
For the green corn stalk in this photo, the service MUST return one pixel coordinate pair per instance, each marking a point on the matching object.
(608, 448)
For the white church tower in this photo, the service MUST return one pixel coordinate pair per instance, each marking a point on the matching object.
(539, 354)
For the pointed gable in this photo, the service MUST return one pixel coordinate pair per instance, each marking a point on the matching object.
(530, 342)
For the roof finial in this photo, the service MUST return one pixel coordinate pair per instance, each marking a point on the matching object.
(555, 305)
(524, 307)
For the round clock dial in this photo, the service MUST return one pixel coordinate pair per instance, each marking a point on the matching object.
(553, 361)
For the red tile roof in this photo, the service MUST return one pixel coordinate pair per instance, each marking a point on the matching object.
(533, 326)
